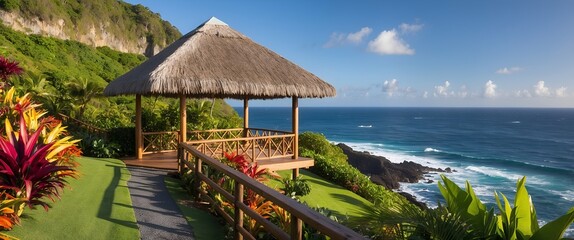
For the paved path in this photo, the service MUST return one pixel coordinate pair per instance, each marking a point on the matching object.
(157, 214)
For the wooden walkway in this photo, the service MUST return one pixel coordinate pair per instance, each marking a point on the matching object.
(168, 161)
(165, 160)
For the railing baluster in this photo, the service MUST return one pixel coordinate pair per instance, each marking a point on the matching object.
(296, 228)
(238, 218)
(197, 171)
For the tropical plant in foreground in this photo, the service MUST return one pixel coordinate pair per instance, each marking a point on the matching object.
(36, 153)
(25, 169)
(465, 217)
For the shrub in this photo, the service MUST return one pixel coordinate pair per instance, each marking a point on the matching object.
(297, 187)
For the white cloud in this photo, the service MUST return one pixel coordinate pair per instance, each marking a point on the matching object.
(523, 93)
(391, 86)
(426, 94)
(442, 90)
(337, 39)
(389, 43)
(357, 37)
(463, 93)
(410, 28)
(489, 89)
(540, 90)
(506, 70)
(561, 92)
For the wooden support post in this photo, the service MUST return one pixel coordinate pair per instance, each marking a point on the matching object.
(245, 117)
(238, 218)
(139, 140)
(182, 119)
(295, 122)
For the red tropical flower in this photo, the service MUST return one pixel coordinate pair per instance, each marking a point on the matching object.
(8, 68)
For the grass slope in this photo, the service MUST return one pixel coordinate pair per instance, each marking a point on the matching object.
(203, 224)
(98, 206)
(339, 200)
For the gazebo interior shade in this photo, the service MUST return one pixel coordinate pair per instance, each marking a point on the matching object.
(214, 60)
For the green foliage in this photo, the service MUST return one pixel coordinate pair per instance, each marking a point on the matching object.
(314, 234)
(297, 187)
(467, 205)
(9, 5)
(128, 23)
(203, 114)
(465, 214)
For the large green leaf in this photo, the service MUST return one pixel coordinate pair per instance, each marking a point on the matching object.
(457, 200)
(525, 213)
(556, 228)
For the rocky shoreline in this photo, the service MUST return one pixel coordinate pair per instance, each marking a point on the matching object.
(389, 174)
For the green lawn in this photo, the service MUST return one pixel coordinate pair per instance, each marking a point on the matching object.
(204, 224)
(329, 195)
(97, 205)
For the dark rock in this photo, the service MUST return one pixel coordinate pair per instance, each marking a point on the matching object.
(430, 181)
(383, 171)
(413, 200)
(448, 170)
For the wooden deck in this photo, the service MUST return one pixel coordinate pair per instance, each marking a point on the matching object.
(164, 160)
(168, 161)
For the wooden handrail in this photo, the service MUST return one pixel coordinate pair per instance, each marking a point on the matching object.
(319, 222)
(159, 133)
(270, 130)
(238, 139)
(216, 130)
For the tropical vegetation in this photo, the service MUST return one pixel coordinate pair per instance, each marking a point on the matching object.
(68, 79)
(122, 21)
(36, 153)
(465, 217)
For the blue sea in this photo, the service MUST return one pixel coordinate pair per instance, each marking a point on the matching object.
(490, 147)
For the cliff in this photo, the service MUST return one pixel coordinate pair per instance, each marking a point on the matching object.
(116, 24)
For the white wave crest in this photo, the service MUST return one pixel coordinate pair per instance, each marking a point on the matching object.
(567, 195)
(494, 172)
(515, 122)
(431, 150)
(365, 126)
(395, 156)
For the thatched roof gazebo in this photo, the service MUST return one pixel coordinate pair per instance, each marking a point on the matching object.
(215, 61)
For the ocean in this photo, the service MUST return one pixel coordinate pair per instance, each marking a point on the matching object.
(490, 147)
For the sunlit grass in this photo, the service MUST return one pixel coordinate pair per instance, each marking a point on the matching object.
(325, 194)
(97, 205)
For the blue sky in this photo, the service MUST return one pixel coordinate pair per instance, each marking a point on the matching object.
(409, 53)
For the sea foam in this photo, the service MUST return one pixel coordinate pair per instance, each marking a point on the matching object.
(431, 150)
(494, 172)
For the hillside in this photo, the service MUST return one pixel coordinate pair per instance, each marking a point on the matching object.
(116, 24)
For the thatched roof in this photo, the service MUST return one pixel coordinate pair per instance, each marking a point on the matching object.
(216, 61)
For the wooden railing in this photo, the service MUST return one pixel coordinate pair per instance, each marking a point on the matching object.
(215, 134)
(258, 144)
(160, 141)
(191, 158)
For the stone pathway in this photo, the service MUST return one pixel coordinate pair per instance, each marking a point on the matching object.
(158, 216)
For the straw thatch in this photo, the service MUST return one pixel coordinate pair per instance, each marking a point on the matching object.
(216, 61)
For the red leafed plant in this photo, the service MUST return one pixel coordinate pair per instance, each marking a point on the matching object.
(7, 69)
(25, 169)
